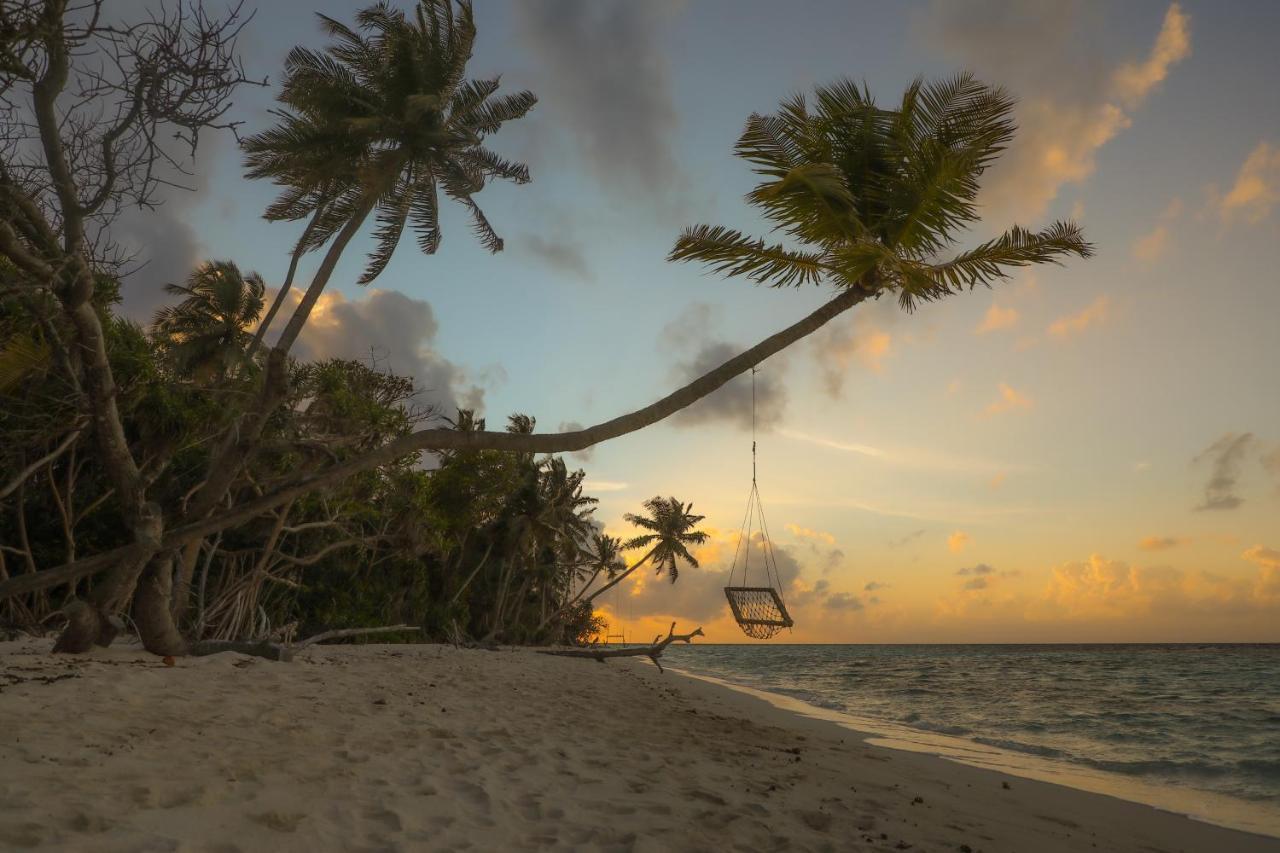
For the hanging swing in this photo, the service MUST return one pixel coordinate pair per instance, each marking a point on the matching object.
(758, 610)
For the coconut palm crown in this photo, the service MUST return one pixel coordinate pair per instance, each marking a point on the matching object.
(671, 530)
(206, 333)
(382, 119)
(875, 196)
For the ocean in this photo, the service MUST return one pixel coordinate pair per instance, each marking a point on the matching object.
(1190, 728)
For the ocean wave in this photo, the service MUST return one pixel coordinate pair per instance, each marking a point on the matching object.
(1019, 746)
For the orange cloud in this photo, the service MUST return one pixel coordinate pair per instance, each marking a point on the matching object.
(997, 481)
(1257, 186)
(842, 345)
(809, 533)
(1063, 127)
(1162, 543)
(957, 541)
(1150, 247)
(997, 318)
(1267, 587)
(1134, 81)
(1009, 400)
(1074, 324)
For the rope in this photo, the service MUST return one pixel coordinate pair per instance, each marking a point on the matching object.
(755, 605)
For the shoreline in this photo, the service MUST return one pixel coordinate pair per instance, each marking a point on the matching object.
(402, 747)
(1207, 807)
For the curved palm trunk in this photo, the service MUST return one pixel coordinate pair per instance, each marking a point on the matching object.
(298, 252)
(473, 574)
(620, 578)
(445, 439)
(610, 585)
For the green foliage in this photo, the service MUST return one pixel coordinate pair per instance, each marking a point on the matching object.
(384, 116)
(873, 196)
(671, 530)
(205, 334)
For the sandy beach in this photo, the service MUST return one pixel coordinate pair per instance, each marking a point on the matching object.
(435, 748)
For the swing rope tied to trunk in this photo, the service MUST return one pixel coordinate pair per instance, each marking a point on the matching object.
(759, 610)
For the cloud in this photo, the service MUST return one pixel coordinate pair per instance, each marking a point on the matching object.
(1134, 81)
(1150, 247)
(1074, 324)
(559, 255)
(957, 541)
(846, 446)
(395, 331)
(1257, 187)
(1009, 401)
(1162, 543)
(872, 586)
(976, 583)
(843, 601)
(1267, 586)
(589, 485)
(997, 481)
(808, 533)
(1225, 457)
(1070, 106)
(164, 245)
(862, 340)
(1099, 588)
(604, 75)
(908, 539)
(997, 318)
(980, 569)
(1271, 463)
(1153, 245)
(732, 402)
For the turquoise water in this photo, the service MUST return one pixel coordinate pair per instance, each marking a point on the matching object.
(1199, 717)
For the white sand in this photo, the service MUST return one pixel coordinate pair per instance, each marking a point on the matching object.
(430, 748)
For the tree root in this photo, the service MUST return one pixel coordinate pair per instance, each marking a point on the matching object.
(282, 651)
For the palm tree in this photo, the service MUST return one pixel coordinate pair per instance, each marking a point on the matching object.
(379, 122)
(671, 530)
(207, 332)
(874, 196)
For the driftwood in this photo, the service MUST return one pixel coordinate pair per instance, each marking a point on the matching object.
(652, 652)
(285, 651)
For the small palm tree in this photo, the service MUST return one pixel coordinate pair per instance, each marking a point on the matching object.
(874, 196)
(207, 332)
(671, 531)
(380, 122)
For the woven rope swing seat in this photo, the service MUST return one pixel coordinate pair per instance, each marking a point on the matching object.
(759, 610)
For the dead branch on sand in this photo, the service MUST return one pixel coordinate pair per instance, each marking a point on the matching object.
(652, 652)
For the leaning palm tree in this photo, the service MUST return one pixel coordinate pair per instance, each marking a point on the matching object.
(671, 531)
(872, 196)
(205, 335)
(380, 122)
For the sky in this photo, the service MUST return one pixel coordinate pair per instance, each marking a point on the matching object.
(1088, 453)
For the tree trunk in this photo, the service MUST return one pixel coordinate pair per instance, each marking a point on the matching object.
(187, 560)
(151, 609)
(619, 579)
(298, 252)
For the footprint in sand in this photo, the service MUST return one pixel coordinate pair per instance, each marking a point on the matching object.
(473, 795)
(279, 821)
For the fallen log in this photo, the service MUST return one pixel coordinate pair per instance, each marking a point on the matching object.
(652, 652)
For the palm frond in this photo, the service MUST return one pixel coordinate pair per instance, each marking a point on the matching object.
(729, 252)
